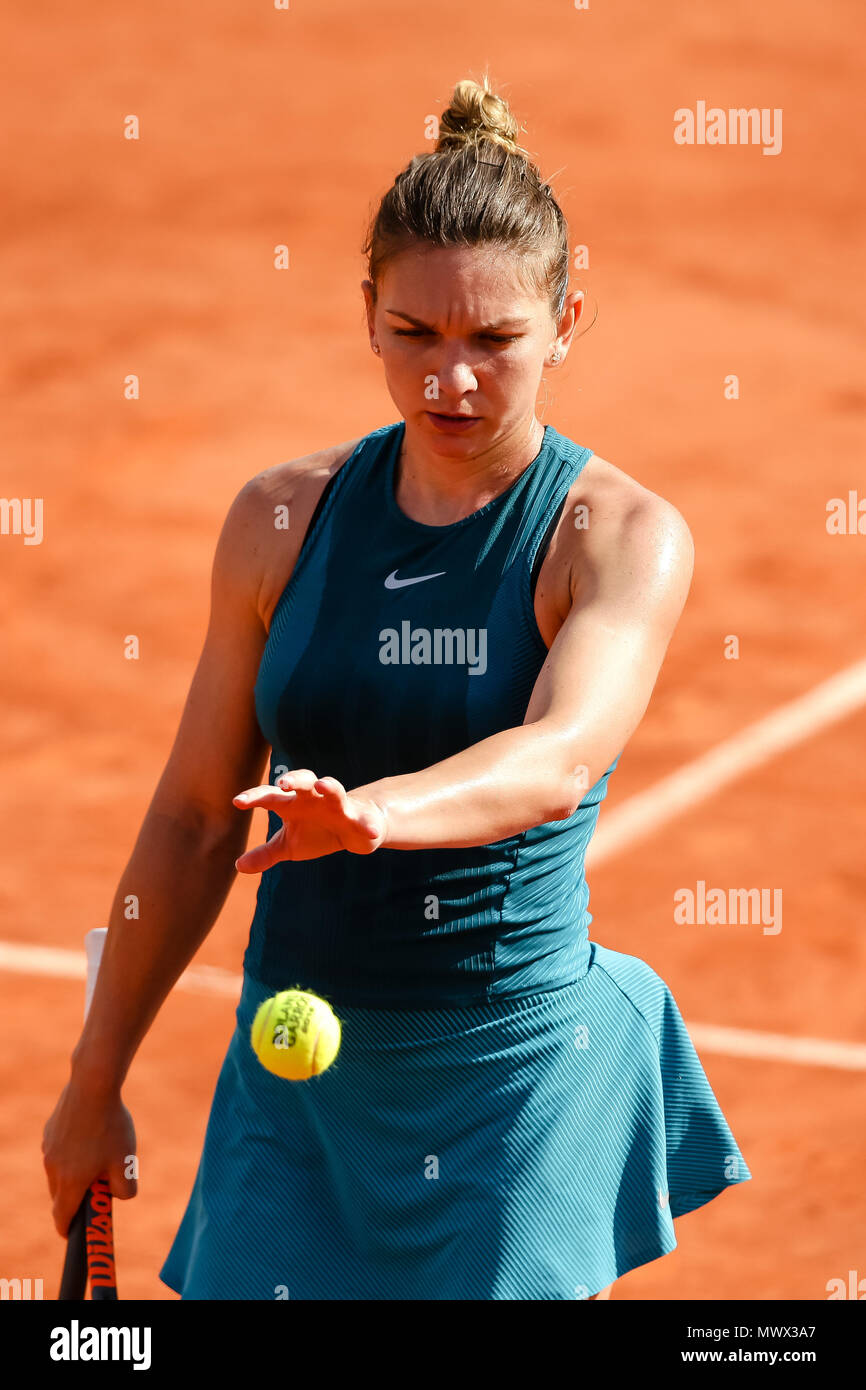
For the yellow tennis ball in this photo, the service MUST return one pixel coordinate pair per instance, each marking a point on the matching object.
(295, 1035)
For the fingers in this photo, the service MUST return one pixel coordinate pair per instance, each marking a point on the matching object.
(68, 1196)
(255, 861)
(271, 798)
(367, 826)
(293, 791)
(83, 1139)
(50, 1170)
(319, 817)
(121, 1187)
(301, 780)
(332, 791)
(65, 1205)
(283, 793)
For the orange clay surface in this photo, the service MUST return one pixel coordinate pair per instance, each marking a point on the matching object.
(262, 127)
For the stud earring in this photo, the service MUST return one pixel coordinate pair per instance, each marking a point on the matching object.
(556, 355)
(376, 347)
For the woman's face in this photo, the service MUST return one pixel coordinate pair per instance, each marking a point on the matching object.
(460, 335)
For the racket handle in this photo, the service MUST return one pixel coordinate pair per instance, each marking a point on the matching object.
(73, 1282)
(101, 1271)
(93, 944)
(90, 1241)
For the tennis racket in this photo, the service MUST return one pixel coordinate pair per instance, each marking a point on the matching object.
(90, 1242)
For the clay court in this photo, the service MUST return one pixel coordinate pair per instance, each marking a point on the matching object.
(154, 257)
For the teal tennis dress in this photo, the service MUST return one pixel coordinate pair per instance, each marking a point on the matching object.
(516, 1112)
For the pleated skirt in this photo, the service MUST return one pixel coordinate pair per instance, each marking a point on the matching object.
(531, 1148)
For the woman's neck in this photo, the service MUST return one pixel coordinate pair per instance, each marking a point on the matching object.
(437, 490)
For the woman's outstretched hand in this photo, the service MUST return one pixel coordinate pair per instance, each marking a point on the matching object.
(319, 817)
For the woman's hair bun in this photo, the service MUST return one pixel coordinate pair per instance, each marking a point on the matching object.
(478, 187)
(477, 114)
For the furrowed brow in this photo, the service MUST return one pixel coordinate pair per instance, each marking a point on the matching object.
(484, 328)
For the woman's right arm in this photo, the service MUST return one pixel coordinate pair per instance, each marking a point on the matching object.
(180, 870)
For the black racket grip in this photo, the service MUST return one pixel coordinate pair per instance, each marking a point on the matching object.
(73, 1281)
(90, 1248)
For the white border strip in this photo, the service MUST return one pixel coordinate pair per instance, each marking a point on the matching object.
(72, 965)
(643, 814)
(208, 979)
(777, 1047)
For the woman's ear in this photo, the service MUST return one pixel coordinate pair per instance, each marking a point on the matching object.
(370, 306)
(572, 313)
(576, 301)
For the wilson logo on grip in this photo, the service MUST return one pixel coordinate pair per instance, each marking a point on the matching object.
(100, 1245)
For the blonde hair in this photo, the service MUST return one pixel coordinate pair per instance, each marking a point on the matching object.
(478, 186)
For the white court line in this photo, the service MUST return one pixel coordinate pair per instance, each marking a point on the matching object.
(621, 826)
(71, 965)
(208, 979)
(777, 1047)
(643, 814)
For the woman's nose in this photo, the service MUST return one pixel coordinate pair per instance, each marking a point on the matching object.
(455, 373)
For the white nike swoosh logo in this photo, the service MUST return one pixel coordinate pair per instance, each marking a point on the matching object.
(392, 582)
(664, 1198)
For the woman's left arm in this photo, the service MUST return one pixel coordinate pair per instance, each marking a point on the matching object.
(630, 578)
(628, 592)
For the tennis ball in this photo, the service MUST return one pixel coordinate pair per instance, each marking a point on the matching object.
(295, 1035)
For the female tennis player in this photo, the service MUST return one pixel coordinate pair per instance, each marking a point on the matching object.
(446, 653)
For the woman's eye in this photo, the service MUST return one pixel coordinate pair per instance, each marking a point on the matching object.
(422, 332)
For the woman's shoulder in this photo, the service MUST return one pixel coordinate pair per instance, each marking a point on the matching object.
(268, 520)
(616, 495)
(299, 478)
(612, 519)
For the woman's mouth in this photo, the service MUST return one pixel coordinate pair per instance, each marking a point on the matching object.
(451, 423)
